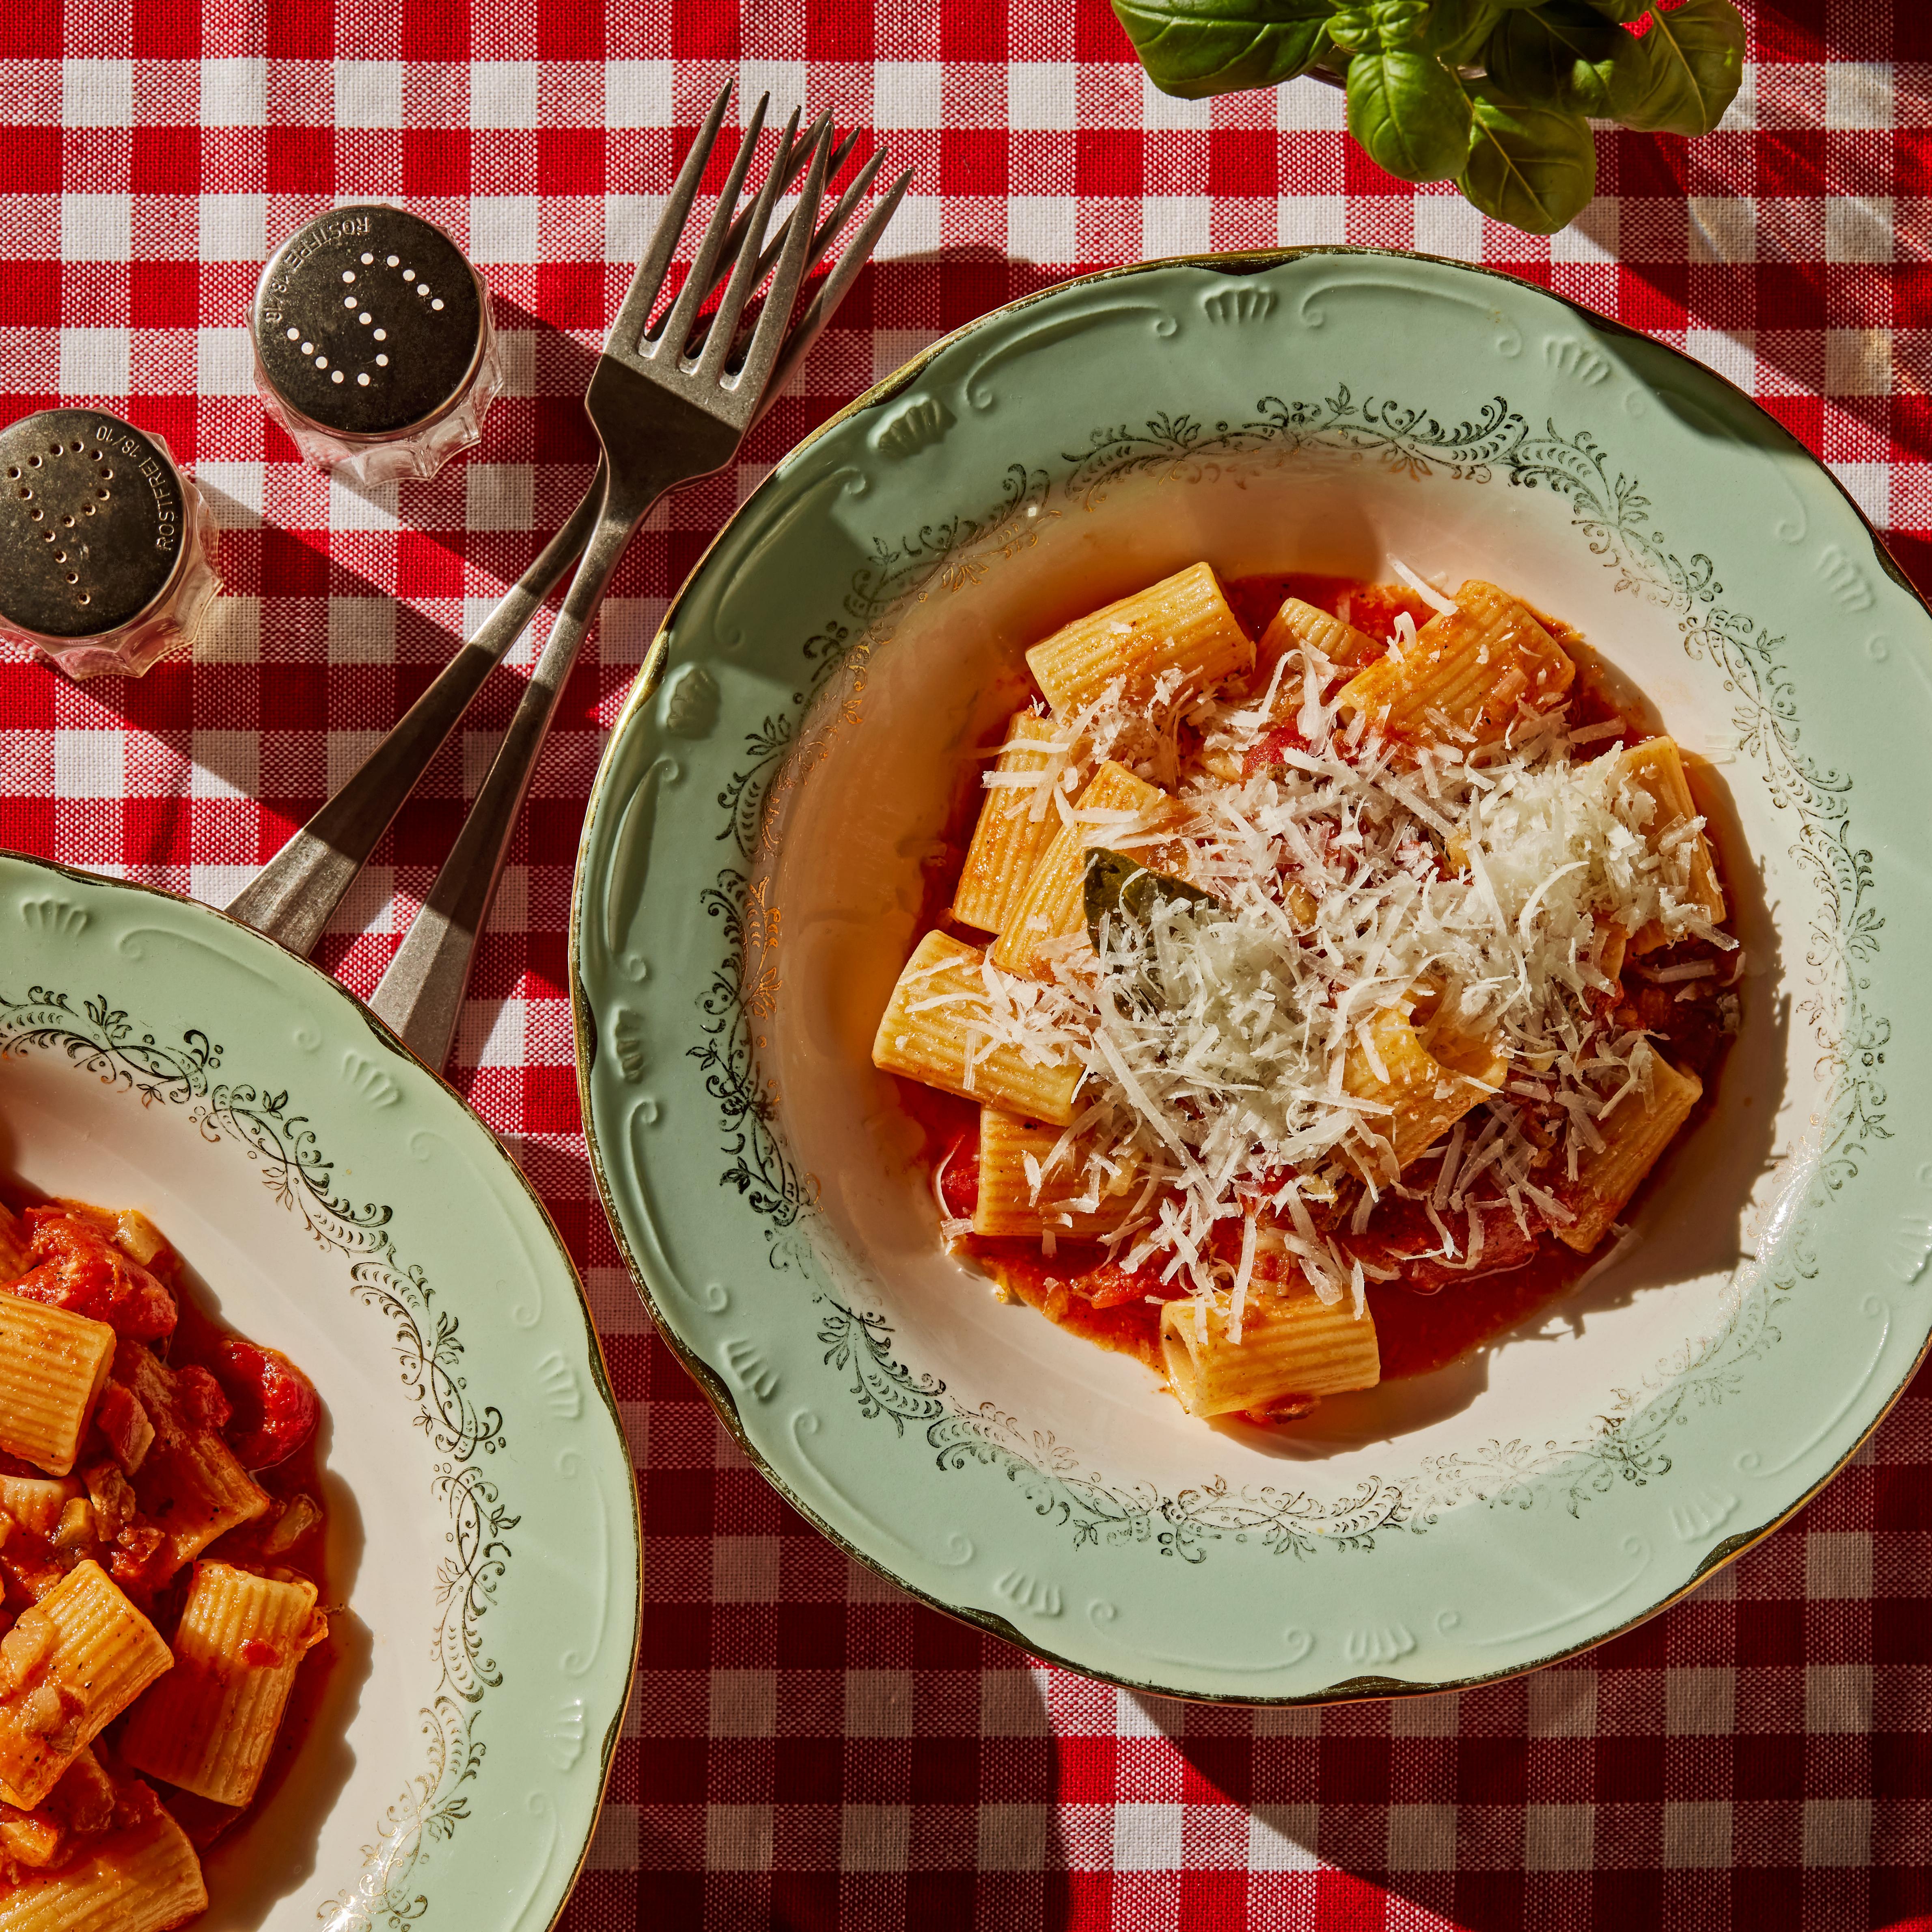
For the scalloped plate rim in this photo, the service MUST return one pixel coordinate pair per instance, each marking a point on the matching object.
(645, 687)
(238, 940)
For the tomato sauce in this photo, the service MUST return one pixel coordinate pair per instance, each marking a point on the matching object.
(197, 1340)
(1419, 1334)
(197, 1336)
(1419, 1330)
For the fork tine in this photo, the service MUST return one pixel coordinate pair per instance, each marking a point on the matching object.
(749, 269)
(832, 223)
(627, 331)
(840, 154)
(789, 165)
(676, 327)
(775, 316)
(821, 236)
(831, 293)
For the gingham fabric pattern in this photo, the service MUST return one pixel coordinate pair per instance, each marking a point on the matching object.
(807, 1748)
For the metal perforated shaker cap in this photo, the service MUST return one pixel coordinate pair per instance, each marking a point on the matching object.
(368, 321)
(92, 523)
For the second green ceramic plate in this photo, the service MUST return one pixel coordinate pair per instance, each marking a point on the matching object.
(338, 1202)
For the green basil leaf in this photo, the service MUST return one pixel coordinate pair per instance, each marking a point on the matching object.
(1568, 56)
(1371, 26)
(1695, 59)
(1198, 47)
(1409, 111)
(1628, 11)
(1534, 167)
(1459, 29)
(1117, 885)
(1351, 27)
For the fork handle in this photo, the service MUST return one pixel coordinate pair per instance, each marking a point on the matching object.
(420, 995)
(292, 898)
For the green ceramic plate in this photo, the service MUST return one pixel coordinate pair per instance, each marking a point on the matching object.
(340, 1204)
(749, 880)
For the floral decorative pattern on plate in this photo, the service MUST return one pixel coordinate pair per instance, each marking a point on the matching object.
(745, 902)
(331, 1194)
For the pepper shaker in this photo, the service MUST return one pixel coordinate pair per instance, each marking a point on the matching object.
(373, 345)
(106, 550)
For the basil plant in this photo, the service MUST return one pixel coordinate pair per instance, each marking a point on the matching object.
(1495, 95)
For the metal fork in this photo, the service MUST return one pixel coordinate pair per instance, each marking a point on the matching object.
(295, 895)
(665, 410)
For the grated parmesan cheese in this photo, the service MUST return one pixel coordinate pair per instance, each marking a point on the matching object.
(1483, 891)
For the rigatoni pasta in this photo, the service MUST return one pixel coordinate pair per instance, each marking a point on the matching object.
(1287, 1345)
(1655, 768)
(1413, 1097)
(1634, 1134)
(52, 1365)
(210, 1728)
(35, 1503)
(1015, 826)
(1027, 1186)
(1301, 626)
(192, 1490)
(153, 1435)
(1113, 809)
(1175, 638)
(942, 1026)
(1463, 679)
(1375, 962)
(71, 1665)
(143, 1877)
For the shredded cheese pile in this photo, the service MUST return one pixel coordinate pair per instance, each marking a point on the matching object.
(1493, 887)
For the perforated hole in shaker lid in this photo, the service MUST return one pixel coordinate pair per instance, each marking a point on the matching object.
(349, 281)
(78, 559)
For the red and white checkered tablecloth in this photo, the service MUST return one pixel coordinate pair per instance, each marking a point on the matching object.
(808, 1748)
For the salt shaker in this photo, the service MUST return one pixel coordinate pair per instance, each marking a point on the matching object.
(374, 347)
(106, 550)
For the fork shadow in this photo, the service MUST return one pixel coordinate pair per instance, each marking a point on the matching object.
(344, 652)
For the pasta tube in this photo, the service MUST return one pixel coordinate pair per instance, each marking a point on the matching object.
(1655, 767)
(1054, 903)
(208, 1725)
(1292, 1343)
(1007, 1203)
(189, 1484)
(143, 1878)
(13, 1246)
(52, 1365)
(1015, 826)
(71, 1666)
(1465, 673)
(1635, 1132)
(194, 1490)
(1421, 1091)
(1300, 626)
(35, 1502)
(940, 1026)
(1182, 625)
